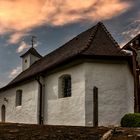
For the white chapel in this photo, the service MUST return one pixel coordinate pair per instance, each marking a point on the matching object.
(88, 81)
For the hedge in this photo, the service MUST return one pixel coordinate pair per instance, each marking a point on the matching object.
(131, 120)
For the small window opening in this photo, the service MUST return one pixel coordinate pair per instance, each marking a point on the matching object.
(65, 86)
(137, 42)
(25, 60)
(131, 44)
(19, 98)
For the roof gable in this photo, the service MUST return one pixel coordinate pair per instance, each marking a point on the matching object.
(132, 43)
(33, 52)
(103, 44)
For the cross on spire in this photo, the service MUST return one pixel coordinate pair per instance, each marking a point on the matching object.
(33, 40)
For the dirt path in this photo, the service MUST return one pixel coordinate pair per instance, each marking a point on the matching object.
(10, 131)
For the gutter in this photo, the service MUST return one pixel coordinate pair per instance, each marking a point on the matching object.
(40, 81)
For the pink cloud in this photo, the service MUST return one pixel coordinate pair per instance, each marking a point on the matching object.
(22, 47)
(15, 37)
(21, 15)
(132, 30)
(15, 72)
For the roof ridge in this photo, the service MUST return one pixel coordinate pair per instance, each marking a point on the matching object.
(83, 49)
(109, 35)
(90, 38)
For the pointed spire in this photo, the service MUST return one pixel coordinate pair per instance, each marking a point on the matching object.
(32, 50)
(29, 57)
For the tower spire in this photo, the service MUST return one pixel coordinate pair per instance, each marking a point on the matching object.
(33, 40)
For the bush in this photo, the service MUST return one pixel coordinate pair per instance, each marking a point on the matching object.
(131, 120)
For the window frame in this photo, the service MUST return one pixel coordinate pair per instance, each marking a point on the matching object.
(65, 86)
(18, 101)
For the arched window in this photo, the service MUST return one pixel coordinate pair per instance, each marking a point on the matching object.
(3, 112)
(65, 86)
(18, 97)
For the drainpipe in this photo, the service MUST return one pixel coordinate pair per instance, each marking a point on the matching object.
(136, 81)
(40, 81)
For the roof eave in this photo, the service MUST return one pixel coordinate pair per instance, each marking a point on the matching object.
(80, 56)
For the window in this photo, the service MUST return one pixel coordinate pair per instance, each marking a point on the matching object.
(19, 98)
(65, 86)
(131, 44)
(25, 60)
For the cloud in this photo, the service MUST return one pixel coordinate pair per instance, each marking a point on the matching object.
(22, 47)
(3, 82)
(122, 44)
(15, 72)
(15, 37)
(131, 30)
(21, 15)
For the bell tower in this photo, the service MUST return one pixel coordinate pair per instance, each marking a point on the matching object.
(29, 57)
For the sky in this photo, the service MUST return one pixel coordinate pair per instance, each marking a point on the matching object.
(54, 22)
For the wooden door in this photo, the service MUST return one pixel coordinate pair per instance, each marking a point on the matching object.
(95, 106)
(3, 112)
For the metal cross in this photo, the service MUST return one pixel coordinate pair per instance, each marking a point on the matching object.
(33, 40)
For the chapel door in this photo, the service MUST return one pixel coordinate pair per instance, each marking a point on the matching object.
(3, 112)
(95, 104)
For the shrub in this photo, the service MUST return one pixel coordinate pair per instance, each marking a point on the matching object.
(131, 120)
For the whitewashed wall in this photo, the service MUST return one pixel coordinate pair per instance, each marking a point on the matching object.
(33, 59)
(116, 96)
(27, 113)
(26, 64)
(69, 110)
(116, 91)
(30, 59)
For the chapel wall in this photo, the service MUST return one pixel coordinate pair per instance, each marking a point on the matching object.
(67, 110)
(115, 85)
(27, 112)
